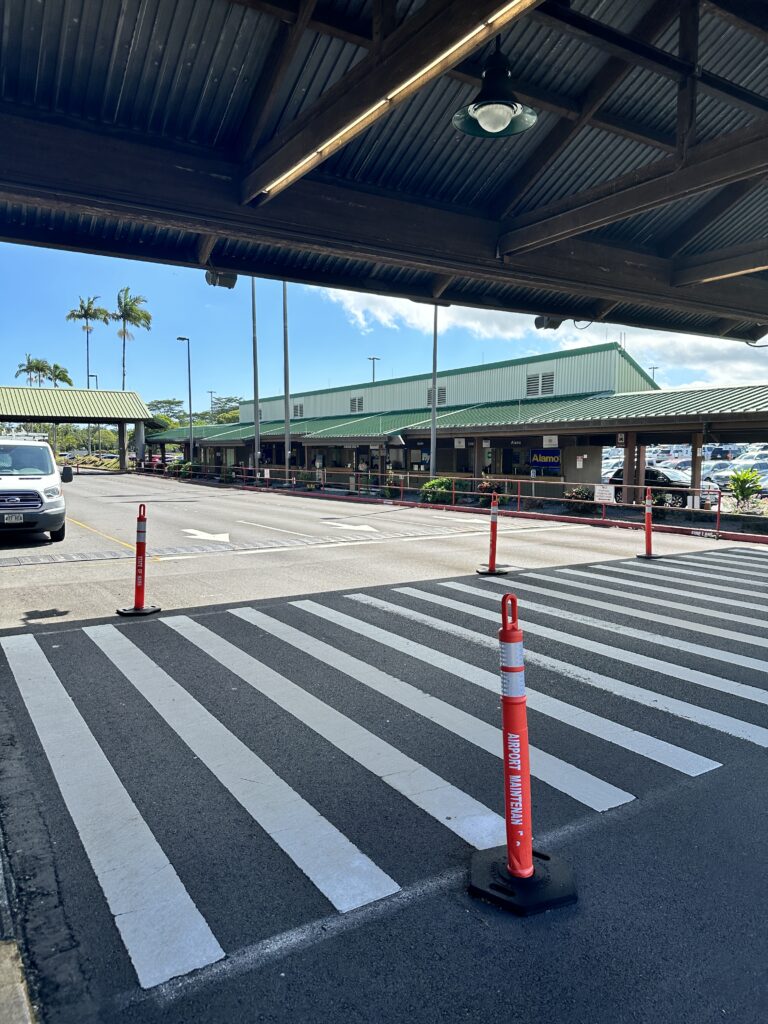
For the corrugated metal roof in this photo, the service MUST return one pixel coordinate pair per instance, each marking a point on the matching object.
(71, 405)
(663, 404)
(589, 411)
(174, 434)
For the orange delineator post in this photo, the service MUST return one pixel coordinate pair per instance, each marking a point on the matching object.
(514, 719)
(491, 569)
(516, 877)
(648, 525)
(139, 608)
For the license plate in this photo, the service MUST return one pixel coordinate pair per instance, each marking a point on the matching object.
(16, 517)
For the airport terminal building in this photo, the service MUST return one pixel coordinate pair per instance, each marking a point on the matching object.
(545, 415)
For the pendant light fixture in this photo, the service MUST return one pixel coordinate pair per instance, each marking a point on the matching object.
(496, 111)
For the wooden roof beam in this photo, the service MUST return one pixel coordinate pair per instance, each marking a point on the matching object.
(262, 102)
(198, 194)
(687, 88)
(735, 157)
(714, 208)
(424, 47)
(610, 40)
(654, 22)
(722, 264)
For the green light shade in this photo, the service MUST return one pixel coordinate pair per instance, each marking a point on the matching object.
(495, 112)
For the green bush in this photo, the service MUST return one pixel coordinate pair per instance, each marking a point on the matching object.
(581, 500)
(441, 490)
(745, 487)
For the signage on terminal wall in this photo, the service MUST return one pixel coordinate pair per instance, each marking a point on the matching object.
(545, 458)
(620, 440)
(459, 442)
(549, 441)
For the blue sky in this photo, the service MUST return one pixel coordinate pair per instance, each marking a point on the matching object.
(331, 332)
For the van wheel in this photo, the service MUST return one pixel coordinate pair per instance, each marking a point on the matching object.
(57, 535)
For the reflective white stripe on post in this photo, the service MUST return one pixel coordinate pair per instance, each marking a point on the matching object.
(511, 655)
(513, 684)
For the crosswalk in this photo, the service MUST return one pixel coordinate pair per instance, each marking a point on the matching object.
(348, 744)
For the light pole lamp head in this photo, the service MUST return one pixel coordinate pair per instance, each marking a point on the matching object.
(181, 338)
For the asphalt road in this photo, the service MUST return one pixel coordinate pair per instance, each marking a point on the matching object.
(213, 545)
(265, 811)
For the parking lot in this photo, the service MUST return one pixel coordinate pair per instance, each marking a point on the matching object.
(211, 545)
(242, 812)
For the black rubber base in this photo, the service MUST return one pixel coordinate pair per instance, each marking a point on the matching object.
(647, 558)
(491, 572)
(551, 885)
(148, 609)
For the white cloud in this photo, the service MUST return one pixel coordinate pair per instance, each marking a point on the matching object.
(682, 359)
(365, 311)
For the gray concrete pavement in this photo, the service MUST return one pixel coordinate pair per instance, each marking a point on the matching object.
(647, 704)
(210, 546)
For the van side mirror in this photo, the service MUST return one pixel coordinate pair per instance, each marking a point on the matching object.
(66, 475)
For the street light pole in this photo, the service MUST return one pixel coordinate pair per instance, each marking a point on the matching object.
(94, 376)
(256, 424)
(433, 427)
(211, 393)
(374, 360)
(189, 382)
(286, 387)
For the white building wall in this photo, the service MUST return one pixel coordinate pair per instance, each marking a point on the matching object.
(577, 373)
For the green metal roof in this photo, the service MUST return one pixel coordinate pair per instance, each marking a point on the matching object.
(176, 435)
(71, 405)
(589, 410)
(609, 346)
(696, 403)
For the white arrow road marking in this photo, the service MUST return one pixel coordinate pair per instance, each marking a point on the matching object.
(201, 535)
(350, 526)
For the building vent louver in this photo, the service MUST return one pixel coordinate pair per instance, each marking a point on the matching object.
(441, 396)
(355, 405)
(548, 383)
(532, 385)
(298, 410)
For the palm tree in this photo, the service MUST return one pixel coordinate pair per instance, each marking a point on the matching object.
(88, 311)
(129, 311)
(41, 368)
(27, 367)
(59, 375)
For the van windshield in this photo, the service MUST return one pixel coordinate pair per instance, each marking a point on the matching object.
(25, 460)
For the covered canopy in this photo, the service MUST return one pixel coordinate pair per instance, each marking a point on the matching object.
(72, 405)
(314, 141)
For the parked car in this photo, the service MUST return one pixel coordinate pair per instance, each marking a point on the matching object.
(31, 496)
(723, 477)
(656, 478)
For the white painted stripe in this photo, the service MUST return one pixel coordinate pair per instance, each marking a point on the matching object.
(733, 558)
(468, 818)
(708, 629)
(162, 929)
(580, 785)
(708, 576)
(543, 766)
(680, 708)
(664, 668)
(657, 639)
(658, 602)
(746, 565)
(340, 871)
(277, 529)
(668, 589)
(721, 570)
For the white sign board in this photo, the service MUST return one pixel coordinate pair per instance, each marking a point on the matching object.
(487, 443)
(459, 442)
(605, 492)
(579, 462)
(550, 441)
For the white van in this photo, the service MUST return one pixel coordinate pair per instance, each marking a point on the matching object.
(31, 496)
